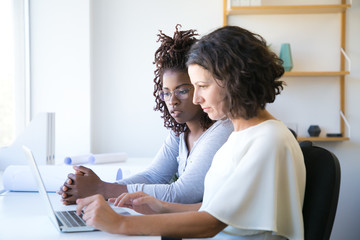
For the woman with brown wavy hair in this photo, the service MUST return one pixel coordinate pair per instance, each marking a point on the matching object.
(187, 151)
(255, 187)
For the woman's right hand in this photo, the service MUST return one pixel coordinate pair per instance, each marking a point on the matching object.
(83, 183)
(140, 202)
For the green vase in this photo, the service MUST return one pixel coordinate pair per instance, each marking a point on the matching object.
(285, 55)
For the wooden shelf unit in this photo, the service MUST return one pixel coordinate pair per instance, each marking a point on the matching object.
(229, 10)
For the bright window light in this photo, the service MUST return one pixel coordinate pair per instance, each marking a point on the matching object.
(7, 80)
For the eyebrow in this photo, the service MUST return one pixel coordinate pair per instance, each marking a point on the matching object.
(184, 84)
(201, 82)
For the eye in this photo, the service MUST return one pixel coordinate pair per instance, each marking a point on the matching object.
(166, 94)
(183, 91)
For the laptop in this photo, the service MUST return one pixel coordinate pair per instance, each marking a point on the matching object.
(64, 221)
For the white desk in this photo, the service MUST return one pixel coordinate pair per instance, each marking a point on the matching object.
(23, 216)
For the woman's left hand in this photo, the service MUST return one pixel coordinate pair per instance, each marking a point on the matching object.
(140, 202)
(98, 214)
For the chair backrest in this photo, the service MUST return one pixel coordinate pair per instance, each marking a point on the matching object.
(321, 191)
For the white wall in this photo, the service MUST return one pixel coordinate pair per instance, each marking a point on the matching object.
(123, 41)
(60, 70)
(123, 46)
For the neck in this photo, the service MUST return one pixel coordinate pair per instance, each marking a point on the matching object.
(241, 123)
(195, 127)
(194, 133)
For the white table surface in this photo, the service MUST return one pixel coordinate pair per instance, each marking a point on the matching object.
(23, 216)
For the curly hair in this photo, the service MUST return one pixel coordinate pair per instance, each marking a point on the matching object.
(241, 62)
(172, 55)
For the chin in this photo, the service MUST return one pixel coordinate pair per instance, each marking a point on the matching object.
(215, 117)
(179, 121)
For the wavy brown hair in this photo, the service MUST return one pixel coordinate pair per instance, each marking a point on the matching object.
(242, 63)
(172, 55)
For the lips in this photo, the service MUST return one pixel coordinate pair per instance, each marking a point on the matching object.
(205, 109)
(175, 113)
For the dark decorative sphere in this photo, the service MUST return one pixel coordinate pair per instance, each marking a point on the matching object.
(314, 130)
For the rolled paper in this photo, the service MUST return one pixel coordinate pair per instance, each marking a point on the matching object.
(96, 158)
(107, 158)
(76, 160)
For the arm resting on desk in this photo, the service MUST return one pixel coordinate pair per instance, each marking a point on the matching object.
(147, 204)
(188, 224)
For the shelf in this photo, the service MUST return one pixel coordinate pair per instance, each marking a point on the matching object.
(345, 63)
(322, 139)
(315, 74)
(288, 9)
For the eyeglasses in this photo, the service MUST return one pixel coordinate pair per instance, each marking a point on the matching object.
(180, 93)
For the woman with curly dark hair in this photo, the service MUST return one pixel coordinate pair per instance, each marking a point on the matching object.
(188, 150)
(255, 186)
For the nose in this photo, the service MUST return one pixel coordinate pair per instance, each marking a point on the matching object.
(173, 99)
(197, 99)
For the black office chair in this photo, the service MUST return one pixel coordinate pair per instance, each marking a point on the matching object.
(321, 191)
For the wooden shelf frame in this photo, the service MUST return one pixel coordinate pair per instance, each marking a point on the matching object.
(341, 8)
(288, 9)
(316, 74)
(322, 139)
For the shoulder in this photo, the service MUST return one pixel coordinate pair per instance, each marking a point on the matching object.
(268, 137)
(272, 131)
(224, 124)
(172, 139)
(221, 127)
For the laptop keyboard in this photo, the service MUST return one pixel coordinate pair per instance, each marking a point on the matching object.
(71, 219)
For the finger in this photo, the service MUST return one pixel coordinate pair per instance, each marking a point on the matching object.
(70, 199)
(81, 203)
(65, 188)
(127, 198)
(79, 173)
(71, 176)
(67, 202)
(68, 184)
(68, 196)
(82, 169)
(122, 199)
(84, 202)
(60, 191)
(142, 200)
(112, 200)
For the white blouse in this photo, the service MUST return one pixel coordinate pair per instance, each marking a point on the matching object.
(256, 184)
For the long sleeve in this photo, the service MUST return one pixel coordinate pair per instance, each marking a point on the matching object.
(162, 168)
(192, 168)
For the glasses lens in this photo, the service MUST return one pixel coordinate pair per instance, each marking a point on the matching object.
(164, 96)
(181, 93)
